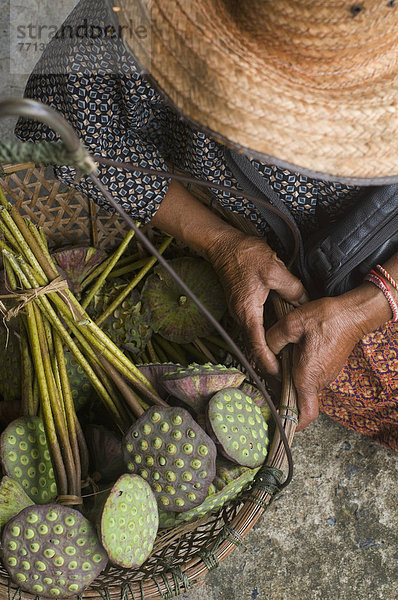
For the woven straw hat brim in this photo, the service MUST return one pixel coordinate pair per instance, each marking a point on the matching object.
(308, 84)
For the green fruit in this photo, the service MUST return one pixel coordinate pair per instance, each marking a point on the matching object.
(213, 502)
(238, 426)
(173, 454)
(196, 384)
(129, 326)
(81, 388)
(129, 522)
(174, 315)
(26, 458)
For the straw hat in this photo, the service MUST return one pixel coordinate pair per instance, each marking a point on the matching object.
(307, 84)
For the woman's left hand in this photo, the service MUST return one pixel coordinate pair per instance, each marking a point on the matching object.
(325, 332)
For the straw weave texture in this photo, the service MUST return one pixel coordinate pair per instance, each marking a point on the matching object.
(306, 83)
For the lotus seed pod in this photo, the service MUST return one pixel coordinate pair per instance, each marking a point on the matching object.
(105, 452)
(238, 427)
(154, 373)
(26, 459)
(75, 264)
(174, 315)
(196, 384)
(129, 522)
(81, 388)
(212, 503)
(173, 454)
(257, 398)
(52, 551)
(12, 500)
(129, 326)
(10, 365)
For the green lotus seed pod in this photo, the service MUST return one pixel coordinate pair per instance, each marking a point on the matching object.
(140, 516)
(30, 467)
(235, 424)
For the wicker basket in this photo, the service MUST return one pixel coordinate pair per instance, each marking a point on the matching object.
(181, 556)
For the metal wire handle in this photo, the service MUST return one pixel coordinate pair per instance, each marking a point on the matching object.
(36, 110)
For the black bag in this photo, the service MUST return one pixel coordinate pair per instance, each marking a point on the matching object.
(337, 258)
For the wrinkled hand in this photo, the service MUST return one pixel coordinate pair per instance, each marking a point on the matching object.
(325, 332)
(249, 269)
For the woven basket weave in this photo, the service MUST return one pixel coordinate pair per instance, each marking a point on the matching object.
(182, 556)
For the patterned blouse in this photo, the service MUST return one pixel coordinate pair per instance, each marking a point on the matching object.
(95, 83)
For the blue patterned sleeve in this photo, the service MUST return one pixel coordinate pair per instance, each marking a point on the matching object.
(98, 89)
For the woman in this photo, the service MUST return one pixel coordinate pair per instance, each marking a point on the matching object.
(294, 81)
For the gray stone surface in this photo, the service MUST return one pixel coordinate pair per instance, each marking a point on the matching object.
(333, 533)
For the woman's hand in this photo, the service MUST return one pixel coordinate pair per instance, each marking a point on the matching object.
(325, 332)
(247, 266)
(249, 269)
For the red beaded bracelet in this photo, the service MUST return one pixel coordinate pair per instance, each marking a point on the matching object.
(387, 276)
(374, 278)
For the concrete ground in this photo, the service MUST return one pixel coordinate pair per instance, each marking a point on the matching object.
(333, 534)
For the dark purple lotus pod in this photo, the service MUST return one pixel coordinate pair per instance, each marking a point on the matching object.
(154, 373)
(75, 264)
(196, 384)
(106, 453)
(173, 454)
(174, 315)
(52, 551)
(129, 522)
(258, 398)
(236, 424)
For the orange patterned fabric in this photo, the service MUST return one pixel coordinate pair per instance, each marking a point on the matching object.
(364, 397)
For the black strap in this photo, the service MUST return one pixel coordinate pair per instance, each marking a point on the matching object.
(251, 181)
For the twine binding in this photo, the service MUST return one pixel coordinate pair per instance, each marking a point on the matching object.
(56, 285)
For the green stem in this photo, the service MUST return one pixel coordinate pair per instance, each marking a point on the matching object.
(126, 291)
(129, 268)
(152, 353)
(69, 408)
(36, 397)
(200, 345)
(26, 372)
(55, 451)
(92, 356)
(56, 406)
(48, 311)
(41, 242)
(102, 278)
(50, 272)
(195, 353)
(14, 247)
(83, 450)
(25, 247)
(159, 351)
(127, 393)
(10, 274)
(219, 342)
(171, 353)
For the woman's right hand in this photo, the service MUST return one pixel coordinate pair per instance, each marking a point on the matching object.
(248, 269)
